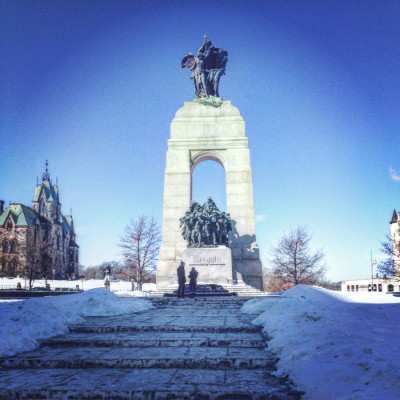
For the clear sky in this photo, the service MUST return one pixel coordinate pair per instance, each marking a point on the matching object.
(92, 86)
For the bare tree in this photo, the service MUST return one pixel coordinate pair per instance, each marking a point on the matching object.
(38, 260)
(140, 244)
(390, 267)
(294, 263)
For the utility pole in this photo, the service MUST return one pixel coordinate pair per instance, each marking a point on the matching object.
(299, 242)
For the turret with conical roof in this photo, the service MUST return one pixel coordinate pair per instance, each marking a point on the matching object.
(394, 217)
(46, 201)
(23, 228)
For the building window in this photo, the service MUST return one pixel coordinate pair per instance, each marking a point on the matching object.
(348, 288)
(369, 287)
(357, 288)
(13, 246)
(3, 264)
(42, 207)
(9, 226)
(5, 246)
(390, 288)
(14, 264)
(375, 288)
(352, 288)
(380, 287)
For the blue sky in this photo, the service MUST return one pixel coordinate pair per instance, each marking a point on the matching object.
(92, 86)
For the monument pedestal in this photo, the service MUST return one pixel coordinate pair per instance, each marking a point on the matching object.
(213, 264)
(200, 133)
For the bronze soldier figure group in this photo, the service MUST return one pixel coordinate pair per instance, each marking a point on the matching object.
(205, 225)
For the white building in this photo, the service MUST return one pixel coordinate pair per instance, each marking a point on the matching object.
(369, 285)
(380, 284)
(395, 236)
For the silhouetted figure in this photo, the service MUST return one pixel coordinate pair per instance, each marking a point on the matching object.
(193, 280)
(181, 279)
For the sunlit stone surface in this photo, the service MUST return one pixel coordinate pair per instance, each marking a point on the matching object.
(200, 133)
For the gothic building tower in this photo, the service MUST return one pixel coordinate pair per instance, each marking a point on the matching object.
(38, 241)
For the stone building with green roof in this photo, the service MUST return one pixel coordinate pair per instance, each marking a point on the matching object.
(38, 241)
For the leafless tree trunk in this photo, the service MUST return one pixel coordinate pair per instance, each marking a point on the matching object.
(294, 263)
(140, 244)
(38, 260)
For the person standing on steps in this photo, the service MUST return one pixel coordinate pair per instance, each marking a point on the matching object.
(181, 279)
(193, 280)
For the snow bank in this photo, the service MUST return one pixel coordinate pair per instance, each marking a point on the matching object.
(23, 323)
(334, 345)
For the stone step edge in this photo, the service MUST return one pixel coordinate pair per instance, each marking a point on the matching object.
(193, 343)
(164, 328)
(182, 392)
(146, 363)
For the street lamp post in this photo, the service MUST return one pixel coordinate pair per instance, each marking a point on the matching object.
(373, 262)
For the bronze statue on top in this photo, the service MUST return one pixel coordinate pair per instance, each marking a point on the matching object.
(205, 225)
(207, 69)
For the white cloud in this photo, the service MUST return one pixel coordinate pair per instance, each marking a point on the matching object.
(394, 176)
(261, 218)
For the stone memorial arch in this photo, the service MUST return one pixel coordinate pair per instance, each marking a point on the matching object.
(203, 132)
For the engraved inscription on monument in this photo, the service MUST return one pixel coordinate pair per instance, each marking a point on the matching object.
(214, 264)
(210, 260)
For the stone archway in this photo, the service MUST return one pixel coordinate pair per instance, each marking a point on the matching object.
(201, 156)
(200, 133)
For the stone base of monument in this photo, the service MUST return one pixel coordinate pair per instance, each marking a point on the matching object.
(213, 264)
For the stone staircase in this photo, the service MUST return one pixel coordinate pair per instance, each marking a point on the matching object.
(240, 289)
(201, 348)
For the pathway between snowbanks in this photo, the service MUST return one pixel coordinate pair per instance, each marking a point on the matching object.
(334, 345)
(23, 323)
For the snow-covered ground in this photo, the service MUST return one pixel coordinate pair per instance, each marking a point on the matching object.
(115, 286)
(334, 345)
(22, 323)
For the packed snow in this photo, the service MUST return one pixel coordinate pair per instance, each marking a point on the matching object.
(23, 323)
(334, 345)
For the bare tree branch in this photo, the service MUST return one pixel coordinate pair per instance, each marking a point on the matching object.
(139, 245)
(390, 267)
(293, 262)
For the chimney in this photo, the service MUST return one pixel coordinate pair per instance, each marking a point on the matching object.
(1, 206)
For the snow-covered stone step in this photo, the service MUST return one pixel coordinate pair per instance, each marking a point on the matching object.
(243, 292)
(145, 357)
(164, 328)
(143, 384)
(195, 303)
(221, 290)
(140, 339)
(198, 349)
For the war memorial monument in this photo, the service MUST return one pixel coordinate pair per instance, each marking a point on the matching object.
(221, 246)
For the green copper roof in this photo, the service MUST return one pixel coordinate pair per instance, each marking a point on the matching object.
(50, 191)
(22, 215)
(65, 223)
